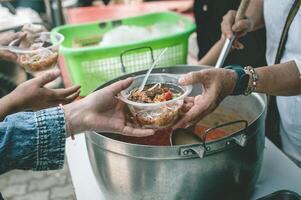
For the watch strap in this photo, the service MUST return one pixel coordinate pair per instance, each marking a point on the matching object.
(241, 81)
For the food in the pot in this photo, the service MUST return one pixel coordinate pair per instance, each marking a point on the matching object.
(219, 116)
(156, 116)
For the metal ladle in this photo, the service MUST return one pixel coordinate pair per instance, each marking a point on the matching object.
(150, 69)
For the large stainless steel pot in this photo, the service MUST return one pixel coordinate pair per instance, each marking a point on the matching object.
(223, 169)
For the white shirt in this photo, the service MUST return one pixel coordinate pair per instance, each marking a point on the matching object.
(275, 14)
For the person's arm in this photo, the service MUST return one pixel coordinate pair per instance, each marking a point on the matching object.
(33, 95)
(211, 56)
(33, 140)
(36, 140)
(280, 80)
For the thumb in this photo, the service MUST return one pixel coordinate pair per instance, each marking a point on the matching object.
(47, 77)
(14, 36)
(8, 56)
(191, 78)
(120, 85)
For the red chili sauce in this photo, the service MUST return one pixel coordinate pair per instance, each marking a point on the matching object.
(161, 137)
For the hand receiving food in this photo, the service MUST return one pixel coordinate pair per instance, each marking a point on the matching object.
(5, 39)
(33, 95)
(31, 31)
(241, 27)
(102, 111)
(217, 84)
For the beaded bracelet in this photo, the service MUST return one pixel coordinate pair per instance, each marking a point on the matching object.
(253, 80)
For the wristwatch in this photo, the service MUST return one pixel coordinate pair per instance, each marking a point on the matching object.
(242, 81)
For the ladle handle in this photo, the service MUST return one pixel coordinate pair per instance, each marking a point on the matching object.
(241, 12)
(228, 43)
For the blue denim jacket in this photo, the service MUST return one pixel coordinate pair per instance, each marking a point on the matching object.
(33, 140)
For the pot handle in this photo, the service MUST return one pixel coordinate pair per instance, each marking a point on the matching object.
(201, 148)
(123, 69)
(240, 139)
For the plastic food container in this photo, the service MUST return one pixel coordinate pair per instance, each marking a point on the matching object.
(156, 115)
(42, 54)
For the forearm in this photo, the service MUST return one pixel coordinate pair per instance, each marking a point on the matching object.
(32, 140)
(7, 106)
(255, 13)
(279, 80)
(212, 55)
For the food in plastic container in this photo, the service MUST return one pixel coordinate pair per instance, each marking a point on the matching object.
(158, 105)
(41, 52)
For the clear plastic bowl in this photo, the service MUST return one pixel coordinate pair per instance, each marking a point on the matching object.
(39, 58)
(156, 115)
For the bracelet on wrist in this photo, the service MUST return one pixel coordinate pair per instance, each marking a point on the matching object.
(252, 85)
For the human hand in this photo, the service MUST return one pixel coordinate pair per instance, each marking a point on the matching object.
(101, 111)
(241, 27)
(34, 96)
(5, 39)
(32, 31)
(216, 85)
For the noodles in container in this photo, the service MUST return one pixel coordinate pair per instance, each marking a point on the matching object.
(41, 51)
(157, 105)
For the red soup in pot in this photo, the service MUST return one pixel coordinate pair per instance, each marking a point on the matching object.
(219, 116)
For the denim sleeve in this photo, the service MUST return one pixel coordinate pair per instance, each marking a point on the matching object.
(33, 140)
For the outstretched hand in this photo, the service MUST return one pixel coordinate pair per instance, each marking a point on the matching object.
(34, 96)
(216, 84)
(101, 111)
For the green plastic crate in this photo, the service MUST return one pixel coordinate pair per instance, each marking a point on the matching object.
(91, 66)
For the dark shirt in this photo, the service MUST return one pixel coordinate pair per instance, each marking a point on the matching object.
(208, 15)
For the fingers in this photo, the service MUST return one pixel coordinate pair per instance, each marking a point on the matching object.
(66, 92)
(192, 78)
(47, 77)
(203, 105)
(9, 37)
(6, 55)
(227, 23)
(71, 98)
(120, 85)
(137, 132)
(193, 114)
(241, 26)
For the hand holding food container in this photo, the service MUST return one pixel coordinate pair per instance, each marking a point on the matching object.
(37, 51)
(158, 104)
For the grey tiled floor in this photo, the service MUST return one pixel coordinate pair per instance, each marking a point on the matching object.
(29, 185)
